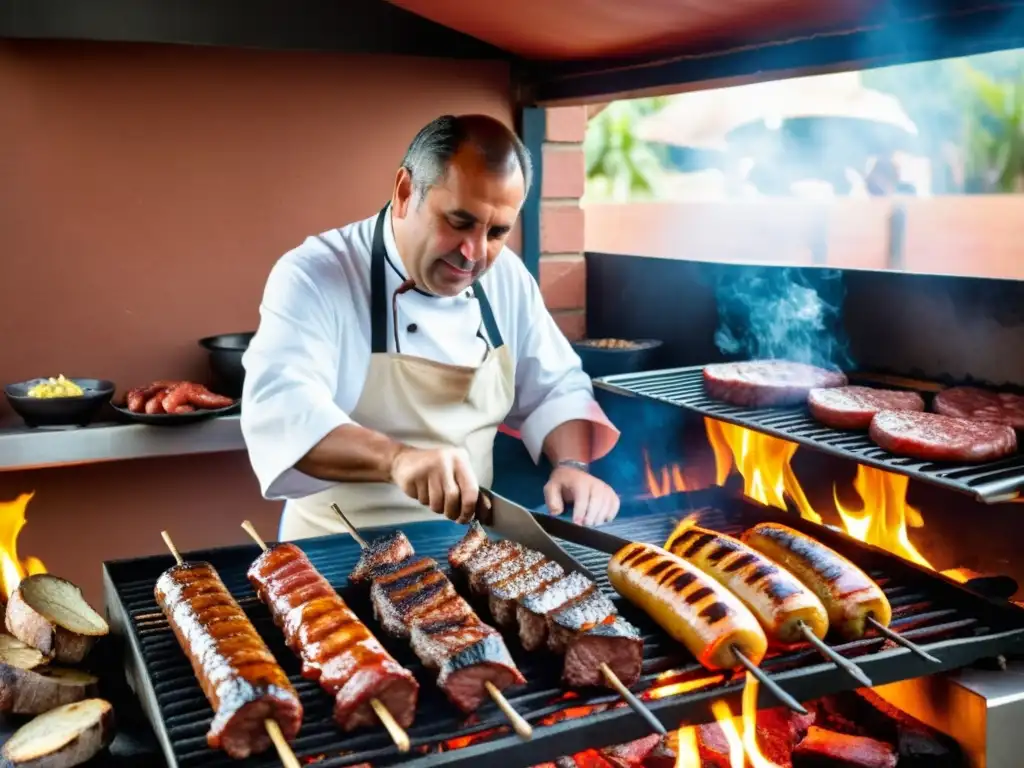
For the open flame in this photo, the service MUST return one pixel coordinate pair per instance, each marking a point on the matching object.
(687, 751)
(669, 480)
(13, 570)
(884, 515)
(763, 462)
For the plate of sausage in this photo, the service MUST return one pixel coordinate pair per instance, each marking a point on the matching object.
(173, 403)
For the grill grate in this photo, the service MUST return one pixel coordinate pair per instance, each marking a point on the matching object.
(992, 482)
(952, 623)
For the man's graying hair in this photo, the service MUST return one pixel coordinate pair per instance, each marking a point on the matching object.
(432, 149)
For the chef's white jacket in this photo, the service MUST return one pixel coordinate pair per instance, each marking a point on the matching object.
(306, 365)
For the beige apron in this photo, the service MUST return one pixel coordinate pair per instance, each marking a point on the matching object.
(418, 402)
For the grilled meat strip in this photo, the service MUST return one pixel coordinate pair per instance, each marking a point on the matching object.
(568, 611)
(241, 680)
(336, 649)
(412, 597)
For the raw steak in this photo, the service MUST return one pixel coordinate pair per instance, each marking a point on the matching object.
(981, 405)
(760, 383)
(933, 437)
(854, 407)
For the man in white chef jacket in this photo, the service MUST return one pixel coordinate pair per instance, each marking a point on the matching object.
(390, 350)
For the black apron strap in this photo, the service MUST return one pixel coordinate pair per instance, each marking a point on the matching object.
(378, 288)
(488, 316)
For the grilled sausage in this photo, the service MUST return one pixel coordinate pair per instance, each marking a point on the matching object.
(848, 594)
(692, 607)
(241, 680)
(779, 600)
(336, 648)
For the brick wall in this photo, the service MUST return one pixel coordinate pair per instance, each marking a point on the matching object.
(562, 267)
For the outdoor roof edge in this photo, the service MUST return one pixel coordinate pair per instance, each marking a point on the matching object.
(907, 31)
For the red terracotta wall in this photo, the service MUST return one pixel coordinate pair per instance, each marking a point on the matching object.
(145, 192)
(562, 267)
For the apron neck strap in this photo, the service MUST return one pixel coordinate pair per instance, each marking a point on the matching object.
(379, 295)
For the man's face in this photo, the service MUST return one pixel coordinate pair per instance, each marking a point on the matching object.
(452, 233)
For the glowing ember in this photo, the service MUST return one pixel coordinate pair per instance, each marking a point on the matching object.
(12, 569)
(963, 575)
(723, 715)
(884, 515)
(669, 480)
(685, 686)
(687, 751)
(763, 462)
(757, 760)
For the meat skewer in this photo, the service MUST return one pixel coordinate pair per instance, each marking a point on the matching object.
(413, 598)
(580, 622)
(236, 670)
(787, 609)
(694, 609)
(852, 599)
(336, 648)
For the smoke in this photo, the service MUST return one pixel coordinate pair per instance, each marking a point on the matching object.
(782, 314)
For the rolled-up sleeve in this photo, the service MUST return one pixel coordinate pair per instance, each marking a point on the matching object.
(551, 387)
(291, 369)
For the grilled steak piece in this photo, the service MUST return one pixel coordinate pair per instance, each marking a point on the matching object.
(505, 594)
(490, 556)
(405, 592)
(933, 437)
(336, 649)
(767, 383)
(532, 610)
(475, 538)
(854, 407)
(576, 617)
(981, 405)
(382, 551)
(413, 598)
(615, 642)
(466, 653)
(237, 672)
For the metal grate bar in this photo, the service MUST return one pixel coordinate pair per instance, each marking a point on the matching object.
(991, 482)
(956, 628)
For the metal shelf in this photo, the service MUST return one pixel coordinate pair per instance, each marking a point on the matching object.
(22, 448)
(992, 482)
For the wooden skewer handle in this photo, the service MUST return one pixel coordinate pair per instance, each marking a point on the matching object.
(397, 732)
(284, 750)
(519, 725)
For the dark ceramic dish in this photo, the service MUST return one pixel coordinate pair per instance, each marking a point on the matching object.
(174, 419)
(609, 361)
(59, 411)
(226, 353)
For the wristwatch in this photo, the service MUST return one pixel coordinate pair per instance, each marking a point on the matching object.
(582, 466)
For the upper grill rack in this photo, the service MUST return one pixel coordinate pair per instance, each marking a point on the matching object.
(992, 482)
(953, 624)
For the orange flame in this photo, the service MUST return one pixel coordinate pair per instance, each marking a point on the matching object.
(763, 462)
(741, 733)
(669, 480)
(884, 515)
(12, 569)
(687, 751)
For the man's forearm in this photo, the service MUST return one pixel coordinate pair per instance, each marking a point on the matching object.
(571, 441)
(351, 453)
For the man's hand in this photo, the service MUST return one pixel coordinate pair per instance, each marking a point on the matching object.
(439, 478)
(594, 502)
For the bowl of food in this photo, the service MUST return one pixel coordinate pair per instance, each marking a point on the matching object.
(608, 357)
(226, 353)
(59, 401)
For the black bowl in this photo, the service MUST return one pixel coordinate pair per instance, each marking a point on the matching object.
(59, 411)
(226, 353)
(610, 361)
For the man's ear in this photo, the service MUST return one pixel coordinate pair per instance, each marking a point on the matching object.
(401, 198)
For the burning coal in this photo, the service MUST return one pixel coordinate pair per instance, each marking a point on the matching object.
(777, 314)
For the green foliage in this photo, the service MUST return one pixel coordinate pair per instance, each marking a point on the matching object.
(621, 167)
(994, 161)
